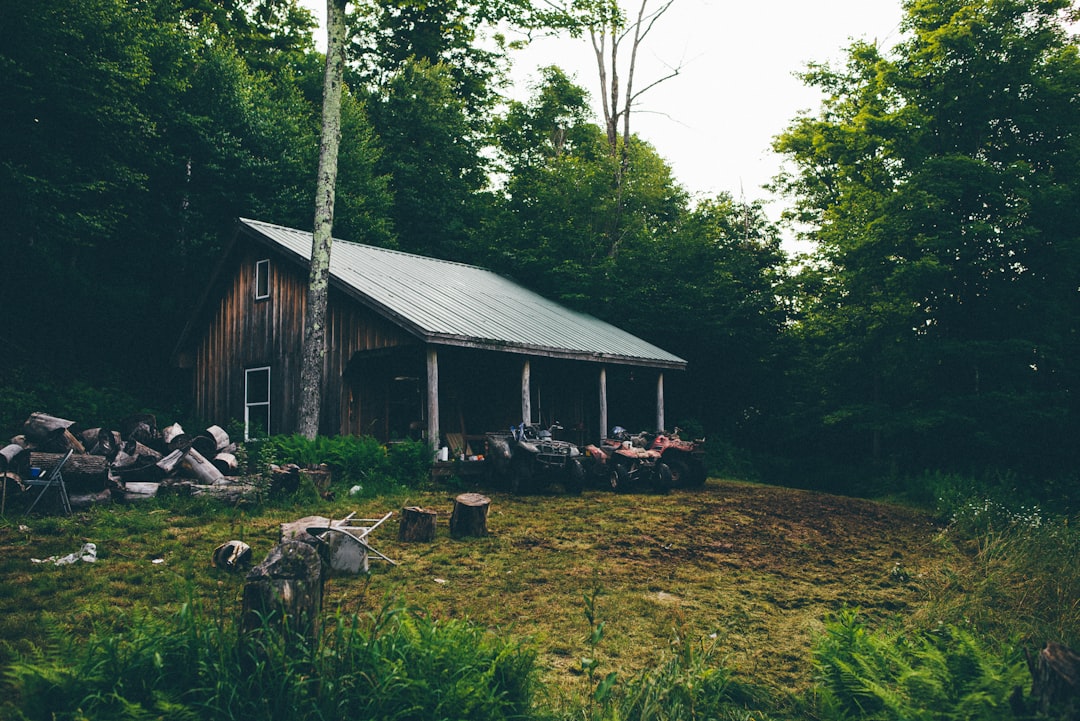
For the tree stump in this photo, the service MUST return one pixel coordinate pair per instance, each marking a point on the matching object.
(469, 517)
(1055, 681)
(283, 594)
(417, 524)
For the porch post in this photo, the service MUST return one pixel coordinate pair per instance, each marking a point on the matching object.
(526, 392)
(660, 401)
(433, 397)
(603, 402)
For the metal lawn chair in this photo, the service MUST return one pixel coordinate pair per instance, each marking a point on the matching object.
(53, 479)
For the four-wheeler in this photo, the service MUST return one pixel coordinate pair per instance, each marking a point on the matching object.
(686, 459)
(530, 454)
(624, 461)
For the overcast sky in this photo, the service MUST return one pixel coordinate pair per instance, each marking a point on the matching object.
(736, 90)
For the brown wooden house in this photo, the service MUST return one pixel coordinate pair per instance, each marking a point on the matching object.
(416, 348)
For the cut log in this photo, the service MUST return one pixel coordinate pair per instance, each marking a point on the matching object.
(81, 472)
(141, 427)
(211, 441)
(175, 438)
(469, 517)
(137, 462)
(101, 442)
(14, 457)
(417, 524)
(283, 596)
(200, 468)
(40, 427)
(169, 463)
(225, 463)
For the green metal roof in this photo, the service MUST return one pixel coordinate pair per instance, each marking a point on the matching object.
(456, 304)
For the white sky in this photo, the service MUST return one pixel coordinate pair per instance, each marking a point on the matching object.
(714, 123)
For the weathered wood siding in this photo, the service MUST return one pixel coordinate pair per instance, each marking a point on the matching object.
(243, 333)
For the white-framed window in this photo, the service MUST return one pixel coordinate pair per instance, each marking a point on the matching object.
(256, 403)
(262, 279)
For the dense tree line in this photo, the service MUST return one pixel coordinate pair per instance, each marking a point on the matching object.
(933, 326)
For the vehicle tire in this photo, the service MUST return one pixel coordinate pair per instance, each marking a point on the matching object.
(618, 477)
(575, 477)
(680, 473)
(662, 477)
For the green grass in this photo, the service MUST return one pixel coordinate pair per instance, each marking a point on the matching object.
(723, 591)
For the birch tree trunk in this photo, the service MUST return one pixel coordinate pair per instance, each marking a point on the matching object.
(314, 349)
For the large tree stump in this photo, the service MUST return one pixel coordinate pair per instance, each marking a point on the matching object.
(469, 517)
(283, 594)
(417, 524)
(1055, 681)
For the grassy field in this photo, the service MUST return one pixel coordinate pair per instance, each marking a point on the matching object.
(751, 569)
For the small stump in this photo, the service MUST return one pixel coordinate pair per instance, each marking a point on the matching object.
(417, 524)
(469, 517)
(283, 594)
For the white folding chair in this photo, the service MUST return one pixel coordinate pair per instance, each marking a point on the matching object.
(53, 479)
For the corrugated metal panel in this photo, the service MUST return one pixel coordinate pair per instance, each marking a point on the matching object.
(461, 304)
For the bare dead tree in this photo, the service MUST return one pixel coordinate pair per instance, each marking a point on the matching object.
(314, 348)
(608, 40)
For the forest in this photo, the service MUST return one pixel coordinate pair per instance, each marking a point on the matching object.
(931, 328)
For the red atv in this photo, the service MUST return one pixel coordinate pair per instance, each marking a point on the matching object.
(626, 461)
(686, 459)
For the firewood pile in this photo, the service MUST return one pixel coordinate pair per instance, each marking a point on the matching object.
(133, 461)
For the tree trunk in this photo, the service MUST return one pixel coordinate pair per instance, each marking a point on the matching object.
(314, 348)
(417, 524)
(1055, 681)
(175, 438)
(469, 517)
(225, 463)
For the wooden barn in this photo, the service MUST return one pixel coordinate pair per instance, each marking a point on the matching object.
(416, 348)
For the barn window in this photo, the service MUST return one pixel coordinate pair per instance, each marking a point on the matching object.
(256, 403)
(262, 279)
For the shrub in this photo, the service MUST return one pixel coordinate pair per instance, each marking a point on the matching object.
(354, 460)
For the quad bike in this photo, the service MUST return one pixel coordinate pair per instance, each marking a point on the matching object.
(624, 461)
(686, 459)
(529, 454)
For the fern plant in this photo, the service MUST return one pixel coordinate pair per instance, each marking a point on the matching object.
(944, 674)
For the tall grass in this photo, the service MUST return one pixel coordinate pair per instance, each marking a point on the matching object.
(396, 664)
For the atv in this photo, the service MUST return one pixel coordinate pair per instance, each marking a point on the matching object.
(686, 459)
(624, 461)
(529, 454)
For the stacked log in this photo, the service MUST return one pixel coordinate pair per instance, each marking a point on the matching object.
(120, 465)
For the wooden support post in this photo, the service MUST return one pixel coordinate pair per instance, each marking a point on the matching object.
(603, 402)
(526, 392)
(433, 398)
(469, 517)
(660, 401)
(417, 524)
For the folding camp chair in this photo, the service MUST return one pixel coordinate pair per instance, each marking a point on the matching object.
(53, 479)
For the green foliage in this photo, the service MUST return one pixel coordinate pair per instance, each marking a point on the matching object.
(354, 460)
(947, 673)
(939, 182)
(395, 664)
